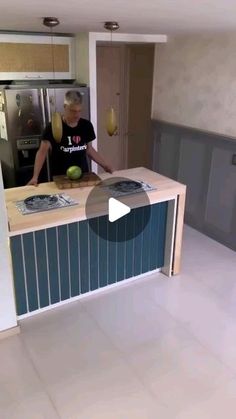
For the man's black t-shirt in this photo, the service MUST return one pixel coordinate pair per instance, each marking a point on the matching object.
(71, 151)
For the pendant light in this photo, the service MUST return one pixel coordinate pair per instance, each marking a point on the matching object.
(56, 120)
(111, 121)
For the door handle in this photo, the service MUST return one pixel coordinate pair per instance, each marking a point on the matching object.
(33, 77)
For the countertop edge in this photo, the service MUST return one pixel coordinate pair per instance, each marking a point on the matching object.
(169, 190)
(17, 232)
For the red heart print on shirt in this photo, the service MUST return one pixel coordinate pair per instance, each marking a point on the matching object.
(76, 139)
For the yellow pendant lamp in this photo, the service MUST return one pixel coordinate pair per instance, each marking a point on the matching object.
(111, 124)
(56, 126)
(111, 120)
(56, 120)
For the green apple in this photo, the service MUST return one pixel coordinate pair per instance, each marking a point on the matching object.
(74, 172)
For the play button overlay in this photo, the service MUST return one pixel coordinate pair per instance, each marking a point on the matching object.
(117, 209)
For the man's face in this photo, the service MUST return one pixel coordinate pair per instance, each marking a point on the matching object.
(72, 113)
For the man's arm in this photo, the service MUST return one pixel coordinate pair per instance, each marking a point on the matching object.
(95, 156)
(40, 158)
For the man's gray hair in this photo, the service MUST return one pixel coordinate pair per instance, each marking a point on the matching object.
(73, 97)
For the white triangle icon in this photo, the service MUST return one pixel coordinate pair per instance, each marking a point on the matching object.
(116, 209)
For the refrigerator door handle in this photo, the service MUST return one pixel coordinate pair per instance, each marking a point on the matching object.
(48, 105)
(41, 95)
(42, 107)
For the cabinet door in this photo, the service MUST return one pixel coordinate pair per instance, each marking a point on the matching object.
(192, 171)
(220, 214)
(30, 57)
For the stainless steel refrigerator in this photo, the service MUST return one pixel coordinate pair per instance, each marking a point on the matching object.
(24, 113)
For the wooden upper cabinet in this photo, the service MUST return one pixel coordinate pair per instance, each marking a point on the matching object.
(31, 57)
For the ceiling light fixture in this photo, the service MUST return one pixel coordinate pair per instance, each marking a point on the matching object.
(111, 123)
(50, 22)
(111, 26)
(56, 120)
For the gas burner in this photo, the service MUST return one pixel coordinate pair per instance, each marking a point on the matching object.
(126, 186)
(39, 203)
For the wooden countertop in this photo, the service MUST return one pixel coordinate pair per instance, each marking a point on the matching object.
(166, 189)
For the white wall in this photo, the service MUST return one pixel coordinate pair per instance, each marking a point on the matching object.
(195, 82)
(7, 303)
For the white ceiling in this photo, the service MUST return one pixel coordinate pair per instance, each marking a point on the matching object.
(148, 16)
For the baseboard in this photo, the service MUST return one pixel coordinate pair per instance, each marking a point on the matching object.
(9, 332)
(90, 294)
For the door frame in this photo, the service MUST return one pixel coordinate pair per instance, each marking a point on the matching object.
(8, 318)
(124, 89)
(95, 37)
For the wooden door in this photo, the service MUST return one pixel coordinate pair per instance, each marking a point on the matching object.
(111, 92)
(140, 137)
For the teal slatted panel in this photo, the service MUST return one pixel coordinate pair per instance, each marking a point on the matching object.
(120, 267)
(74, 259)
(146, 242)
(71, 260)
(53, 273)
(103, 251)
(112, 254)
(31, 273)
(19, 276)
(138, 219)
(64, 261)
(162, 233)
(154, 234)
(129, 246)
(84, 260)
(93, 246)
(41, 256)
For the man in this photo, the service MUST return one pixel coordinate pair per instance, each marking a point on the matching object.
(75, 146)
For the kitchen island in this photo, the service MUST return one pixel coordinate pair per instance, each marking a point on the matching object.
(57, 257)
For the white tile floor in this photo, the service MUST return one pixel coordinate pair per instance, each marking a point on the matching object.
(156, 349)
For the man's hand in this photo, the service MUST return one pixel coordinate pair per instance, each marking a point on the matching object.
(40, 158)
(95, 156)
(108, 168)
(33, 181)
